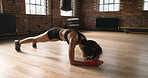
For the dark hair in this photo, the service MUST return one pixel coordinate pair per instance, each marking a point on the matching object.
(92, 49)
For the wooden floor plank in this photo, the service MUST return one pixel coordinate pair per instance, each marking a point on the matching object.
(125, 56)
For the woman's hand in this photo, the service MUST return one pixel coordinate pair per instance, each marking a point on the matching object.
(94, 62)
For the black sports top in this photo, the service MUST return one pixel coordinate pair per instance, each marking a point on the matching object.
(81, 37)
(53, 33)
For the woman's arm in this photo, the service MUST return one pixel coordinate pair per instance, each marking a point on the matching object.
(72, 44)
(81, 48)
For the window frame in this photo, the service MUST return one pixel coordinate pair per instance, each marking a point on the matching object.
(30, 5)
(107, 4)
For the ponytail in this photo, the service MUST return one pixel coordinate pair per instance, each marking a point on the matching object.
(92, 49)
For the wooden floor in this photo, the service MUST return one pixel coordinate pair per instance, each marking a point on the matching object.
(125, 56)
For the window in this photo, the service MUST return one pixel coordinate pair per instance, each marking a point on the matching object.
(37, 7)
(145, 5)
(109, 5)
(69, 13)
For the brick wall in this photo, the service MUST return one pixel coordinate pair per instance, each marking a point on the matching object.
(26, 24)
(130, 14)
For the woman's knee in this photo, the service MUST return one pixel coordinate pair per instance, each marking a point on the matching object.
(40, 38)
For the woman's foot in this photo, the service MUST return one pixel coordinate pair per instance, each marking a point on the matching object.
(34, 45)
(17, 46)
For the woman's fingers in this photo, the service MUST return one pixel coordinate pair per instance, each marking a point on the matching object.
(99, 62)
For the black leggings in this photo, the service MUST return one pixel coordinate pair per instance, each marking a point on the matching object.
(53, 33)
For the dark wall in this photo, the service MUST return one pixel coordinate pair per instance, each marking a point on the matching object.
(7, 24)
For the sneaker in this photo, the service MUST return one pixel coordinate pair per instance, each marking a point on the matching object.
(17, 46)
(34, 45)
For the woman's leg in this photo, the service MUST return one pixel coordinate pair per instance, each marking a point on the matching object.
(40, 38)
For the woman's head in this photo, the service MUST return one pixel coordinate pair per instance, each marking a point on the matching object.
(92, 50)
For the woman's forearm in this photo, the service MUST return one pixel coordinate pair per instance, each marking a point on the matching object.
(78, 63)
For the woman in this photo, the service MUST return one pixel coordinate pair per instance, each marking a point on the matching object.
(90, 49)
